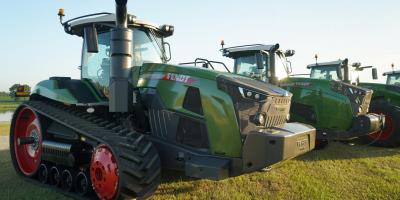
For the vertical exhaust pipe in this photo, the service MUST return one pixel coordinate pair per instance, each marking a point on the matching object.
(121, 61)
(274, 79)
(346, 75)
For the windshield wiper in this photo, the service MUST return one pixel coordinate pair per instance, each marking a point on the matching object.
(153, 37)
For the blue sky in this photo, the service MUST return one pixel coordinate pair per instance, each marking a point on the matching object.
(35, 47)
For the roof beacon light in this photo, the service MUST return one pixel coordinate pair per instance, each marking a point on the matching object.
(61, 14)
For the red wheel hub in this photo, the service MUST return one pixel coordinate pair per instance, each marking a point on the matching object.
(386, 132)
(104, 173)
(27, 155)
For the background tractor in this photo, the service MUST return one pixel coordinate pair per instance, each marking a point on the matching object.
(131, 114)
(339, 111)
(385, 99)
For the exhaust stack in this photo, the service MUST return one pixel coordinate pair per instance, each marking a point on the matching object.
(121, 61)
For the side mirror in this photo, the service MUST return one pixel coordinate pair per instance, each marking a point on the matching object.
(91, 39)
(374, 73)
(289, 53)
(260, 61)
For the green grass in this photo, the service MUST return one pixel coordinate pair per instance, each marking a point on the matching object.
(6, 106)
(4, 129)
(341, 171)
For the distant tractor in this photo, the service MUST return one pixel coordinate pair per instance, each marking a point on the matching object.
(18, 91)
(385, 99)
(339, 111)
(109, 134)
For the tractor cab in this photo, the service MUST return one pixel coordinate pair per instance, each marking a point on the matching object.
(340, 71)
(258, 61)
(393, 78)
(329, 70)
(148, 45)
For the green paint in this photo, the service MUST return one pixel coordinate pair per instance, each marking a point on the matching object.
(50, 89)
(219, 113)
(333, 110)
(382, 91)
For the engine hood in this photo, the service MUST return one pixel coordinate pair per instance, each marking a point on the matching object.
(197, 72)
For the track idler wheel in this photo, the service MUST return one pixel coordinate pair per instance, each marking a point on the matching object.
(82, 184)
(104, 172)
(43, 173)
(67, 181)
(26, 141)
(54, 176)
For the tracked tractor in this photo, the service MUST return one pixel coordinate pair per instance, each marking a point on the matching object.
(385, 99)
(339, 111)
(109, 134)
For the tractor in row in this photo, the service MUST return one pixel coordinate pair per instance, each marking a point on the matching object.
(111, 133)
(385, 99)
(338, 110)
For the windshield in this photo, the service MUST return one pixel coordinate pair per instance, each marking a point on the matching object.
(393, 79)
(96, 66)
(325, 72)
(247, 66)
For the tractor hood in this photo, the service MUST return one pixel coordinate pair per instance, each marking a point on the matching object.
(358, 97)
(189, 73)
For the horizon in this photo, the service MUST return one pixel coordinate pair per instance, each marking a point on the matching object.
(363, 31)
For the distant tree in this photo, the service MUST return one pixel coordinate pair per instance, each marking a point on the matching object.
(13, 89)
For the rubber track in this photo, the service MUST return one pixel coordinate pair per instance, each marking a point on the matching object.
(138, 161)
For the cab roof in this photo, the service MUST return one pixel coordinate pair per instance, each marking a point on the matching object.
(392, 73)
(232, 51)
(75, 26)
(321, 64)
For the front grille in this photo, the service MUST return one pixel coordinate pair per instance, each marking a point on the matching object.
(359, 98)
(272, 101)
(277, 111)
(364, 108)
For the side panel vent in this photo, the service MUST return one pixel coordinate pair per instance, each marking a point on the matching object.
(192, 100)
(192, 133)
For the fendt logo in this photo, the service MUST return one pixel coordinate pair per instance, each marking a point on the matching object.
(302, 144)
(178, 78)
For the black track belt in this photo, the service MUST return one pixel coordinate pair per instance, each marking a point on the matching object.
(138, 161)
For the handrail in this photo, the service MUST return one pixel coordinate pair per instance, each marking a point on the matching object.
(207, 62)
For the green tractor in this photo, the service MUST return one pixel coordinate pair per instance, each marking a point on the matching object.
(109, 134)
(339, 111)
(385, 99)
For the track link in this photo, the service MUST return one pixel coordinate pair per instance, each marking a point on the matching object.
(139, 165)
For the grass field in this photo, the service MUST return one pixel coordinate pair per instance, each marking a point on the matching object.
(5, 106)
(4, 129)
(341, 171)
(7, 102)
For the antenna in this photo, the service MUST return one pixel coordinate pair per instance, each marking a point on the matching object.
(316, 59)
(392, 66)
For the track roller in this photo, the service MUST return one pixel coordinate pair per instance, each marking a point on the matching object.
(54, 176)
(66, 181)
(82, 184)
(43, 173)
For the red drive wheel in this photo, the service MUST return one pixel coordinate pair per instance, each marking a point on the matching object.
(387, 131)
(26, 141)
(104, 173)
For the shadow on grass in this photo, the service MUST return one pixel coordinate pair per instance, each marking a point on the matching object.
(348, 150)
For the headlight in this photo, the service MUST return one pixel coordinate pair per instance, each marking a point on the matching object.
(259, 119)
(250, 94)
